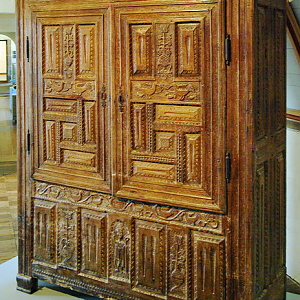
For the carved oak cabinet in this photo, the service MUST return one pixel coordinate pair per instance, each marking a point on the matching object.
(152, 148)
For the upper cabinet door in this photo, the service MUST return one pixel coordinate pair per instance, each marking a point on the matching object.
(171, 104)
(70, 100)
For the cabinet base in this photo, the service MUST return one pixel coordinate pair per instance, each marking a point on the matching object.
(27, 284)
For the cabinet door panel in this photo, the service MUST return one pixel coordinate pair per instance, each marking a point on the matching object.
(171, 110)
(72, 125)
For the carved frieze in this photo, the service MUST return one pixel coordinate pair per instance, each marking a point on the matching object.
(54, 87)
(166, 91)
(193, 219)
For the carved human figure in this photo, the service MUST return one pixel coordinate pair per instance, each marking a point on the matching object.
(120, 244)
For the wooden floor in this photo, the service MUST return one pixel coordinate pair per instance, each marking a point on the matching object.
(8, 183)
(8, 148)
(8, 217)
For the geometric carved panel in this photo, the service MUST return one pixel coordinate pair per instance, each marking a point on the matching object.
(172, 73)
(178, 114)
(141, 49)
(153, 172)
(165, 143)
(86, 51)
(79, 160)
(69, 132)
(188, 49)
(150, 257)
(208, 266)
(89, 122)
(71, 63)
(67, 237)
(51, 142)
(260, 207)
(193, 158)
(280, 173)
(60, 106)
(51, 50)
(139, 127)
(44, 231)
(93, 239)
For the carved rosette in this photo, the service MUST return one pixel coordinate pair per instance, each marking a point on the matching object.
(86, 89)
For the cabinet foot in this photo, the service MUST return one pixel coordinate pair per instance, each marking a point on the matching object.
(27, 284)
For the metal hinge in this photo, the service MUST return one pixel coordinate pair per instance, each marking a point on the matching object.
(227, 167)
(28, 141)
(227, 50)
(27, 49)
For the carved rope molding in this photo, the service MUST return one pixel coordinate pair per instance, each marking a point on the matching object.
(98, 201)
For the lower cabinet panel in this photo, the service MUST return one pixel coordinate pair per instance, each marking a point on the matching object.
(116, 255)
(208, 266)
(93, 244)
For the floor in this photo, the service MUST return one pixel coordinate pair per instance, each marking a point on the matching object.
(46, 291)
(8, 217)
(8, 183)
(8, 220)
(8, 147)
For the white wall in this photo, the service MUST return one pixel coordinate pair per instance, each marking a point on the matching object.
(7, 16)
(293, 204)
(7, 23)
(293, 69)
(293, 162)
(7, 6)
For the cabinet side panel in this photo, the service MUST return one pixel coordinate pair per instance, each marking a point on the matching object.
(269, 113)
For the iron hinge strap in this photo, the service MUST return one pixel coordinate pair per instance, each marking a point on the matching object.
(28, 141)
(227, 167)
(227, 50)
(27, 49)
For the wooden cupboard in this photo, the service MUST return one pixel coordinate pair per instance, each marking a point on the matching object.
(152, 148)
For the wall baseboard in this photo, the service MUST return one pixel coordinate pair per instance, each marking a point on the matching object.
(292, 286)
